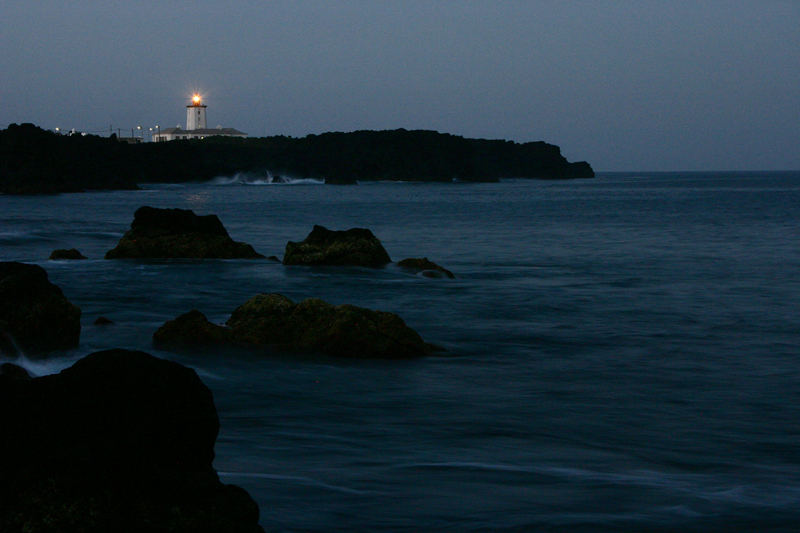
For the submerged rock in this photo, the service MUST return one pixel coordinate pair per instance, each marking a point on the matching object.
(35, 317)
(190, 330)
(120, 441)
(103, 321)
(314, 325)
(426, 267)
(72, 253)
(356, 246)
(174, 233)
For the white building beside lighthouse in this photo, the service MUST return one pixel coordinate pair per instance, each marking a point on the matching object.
(196, 125)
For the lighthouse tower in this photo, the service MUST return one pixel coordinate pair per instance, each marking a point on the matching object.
(196, 114)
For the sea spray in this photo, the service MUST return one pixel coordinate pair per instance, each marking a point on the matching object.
(44, 367)
(267, 178)
(12, 352)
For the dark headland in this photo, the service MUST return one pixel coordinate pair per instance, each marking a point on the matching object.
(36, 161)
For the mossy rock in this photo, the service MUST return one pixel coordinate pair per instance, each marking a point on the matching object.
(178, 233)
(356, 246)
(313, 325)
(273, 322)
(190, 330)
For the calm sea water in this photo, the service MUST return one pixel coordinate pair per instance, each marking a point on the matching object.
(624, 352)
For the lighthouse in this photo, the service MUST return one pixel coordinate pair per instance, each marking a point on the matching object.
(196, 114)
(196, 126)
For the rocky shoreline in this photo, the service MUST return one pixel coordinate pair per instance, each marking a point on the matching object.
(36, 161)
(124, 441)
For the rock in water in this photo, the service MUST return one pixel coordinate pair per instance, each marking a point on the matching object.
(173, 233)
(120, 441)
(356, 246)
(272, 320)
(190, 330)
(423, 265)
(72, 253)
(35, 317)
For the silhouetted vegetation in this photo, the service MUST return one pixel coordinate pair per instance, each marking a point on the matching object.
(33, 160)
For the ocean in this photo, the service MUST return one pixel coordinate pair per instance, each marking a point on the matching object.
(623, 353)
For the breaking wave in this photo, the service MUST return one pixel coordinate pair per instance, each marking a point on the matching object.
(242, 178)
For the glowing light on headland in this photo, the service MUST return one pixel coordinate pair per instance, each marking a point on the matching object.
(196, 99)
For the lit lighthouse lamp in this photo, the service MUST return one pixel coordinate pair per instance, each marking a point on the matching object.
(196, 114)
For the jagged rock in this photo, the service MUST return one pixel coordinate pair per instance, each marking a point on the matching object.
(72, 253)
(35, 317)
(103, 321)
(172, 233)
(580, 169)
(356, 246)
(427, 268)
(120, 441)
(190, 330)
(12, 371)
(272, 320)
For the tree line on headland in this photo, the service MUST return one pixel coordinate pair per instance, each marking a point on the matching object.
(33, 160)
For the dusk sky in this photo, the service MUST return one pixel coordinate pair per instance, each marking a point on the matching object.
(625, 85)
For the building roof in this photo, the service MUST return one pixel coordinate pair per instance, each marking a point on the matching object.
(208, 132)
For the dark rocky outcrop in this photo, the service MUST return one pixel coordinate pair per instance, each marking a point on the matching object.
(190, 330)
(12, 371)
(33, 160)
(356, 246)
(120, 441)
(35, 317)
(426, 267)
(274, 322)
(72, 253)
(103, 321)
(314, 325)
(36, 161)
(173, 233)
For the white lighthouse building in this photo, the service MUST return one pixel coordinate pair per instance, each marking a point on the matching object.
(196, 125)
(196, 114)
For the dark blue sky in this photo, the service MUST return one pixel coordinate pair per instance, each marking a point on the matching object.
(626, 85)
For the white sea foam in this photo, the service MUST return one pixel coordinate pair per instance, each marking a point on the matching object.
(302, 480)
(43, 367)
(267, 178)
